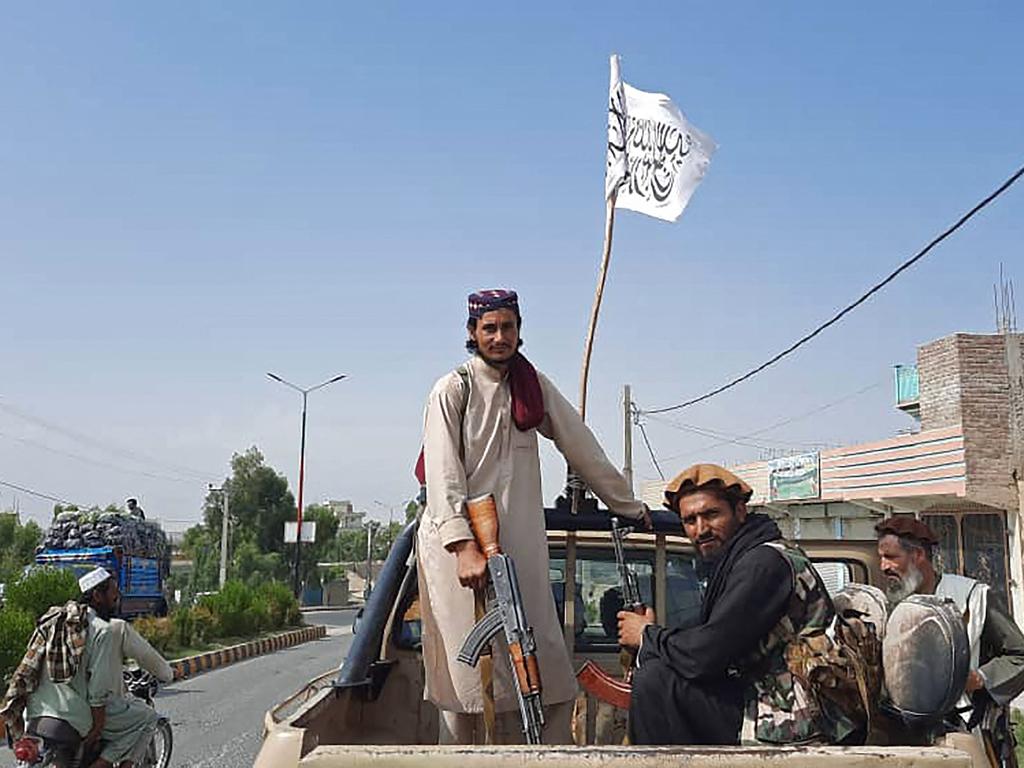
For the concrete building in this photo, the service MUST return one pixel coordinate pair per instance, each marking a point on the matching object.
(348, 518)
(961, 471)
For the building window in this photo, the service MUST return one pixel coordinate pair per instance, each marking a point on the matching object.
(973, 544)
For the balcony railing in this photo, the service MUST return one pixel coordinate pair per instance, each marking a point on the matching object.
(908, 386)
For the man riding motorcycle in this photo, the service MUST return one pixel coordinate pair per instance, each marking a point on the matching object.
(73, 672)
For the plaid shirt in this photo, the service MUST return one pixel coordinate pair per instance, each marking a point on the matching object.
(59, 641)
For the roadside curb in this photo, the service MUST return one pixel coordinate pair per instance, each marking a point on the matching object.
(330, 608)
(194, 665)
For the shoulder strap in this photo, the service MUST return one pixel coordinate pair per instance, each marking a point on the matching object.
(463, 371)
(790, 554)
(420, 469)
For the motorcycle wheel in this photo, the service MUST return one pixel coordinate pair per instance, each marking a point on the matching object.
(159, 753)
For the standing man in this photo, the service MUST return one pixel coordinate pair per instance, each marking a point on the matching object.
(134, 509)
(761, 594)
(480, 437)
(905, 550)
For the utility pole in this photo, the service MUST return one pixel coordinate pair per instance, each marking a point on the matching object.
(370, 526)
(223, 491)
(627, 427)
(224, 537)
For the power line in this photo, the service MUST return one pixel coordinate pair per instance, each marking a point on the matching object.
(783, 422)
(643, 433)
(728, 438)
(30, 492)
(94, 462)
(850, 307)
(136, 456)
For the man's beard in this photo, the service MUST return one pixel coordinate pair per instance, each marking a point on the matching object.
(105, 612)
(898, 590)
(493, 361)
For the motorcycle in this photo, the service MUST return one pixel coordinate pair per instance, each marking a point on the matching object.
(49, 741)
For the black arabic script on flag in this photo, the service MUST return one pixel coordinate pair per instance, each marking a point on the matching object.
(655, 152)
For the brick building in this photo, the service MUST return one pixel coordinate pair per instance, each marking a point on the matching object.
(961, 471)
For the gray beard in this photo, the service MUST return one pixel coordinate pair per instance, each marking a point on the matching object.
(905, 587)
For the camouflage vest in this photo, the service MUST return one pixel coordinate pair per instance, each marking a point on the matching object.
(783, 711)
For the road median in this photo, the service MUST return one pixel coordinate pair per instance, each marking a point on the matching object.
(203, 662)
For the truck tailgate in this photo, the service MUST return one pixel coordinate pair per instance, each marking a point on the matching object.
(342, 756)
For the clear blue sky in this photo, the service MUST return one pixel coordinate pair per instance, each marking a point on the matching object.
(194, 194)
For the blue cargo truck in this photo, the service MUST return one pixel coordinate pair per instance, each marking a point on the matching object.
(141, 579)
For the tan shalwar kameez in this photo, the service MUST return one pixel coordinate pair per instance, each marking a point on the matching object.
(483, 452)
(130, 723)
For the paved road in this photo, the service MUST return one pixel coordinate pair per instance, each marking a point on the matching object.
(217, 716)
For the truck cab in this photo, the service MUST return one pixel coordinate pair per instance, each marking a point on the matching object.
(372, 710)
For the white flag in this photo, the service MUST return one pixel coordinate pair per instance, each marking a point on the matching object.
(656, 158)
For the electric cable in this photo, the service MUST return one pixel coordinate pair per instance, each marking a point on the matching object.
(93, 462)
(849, 307)
(650, 450)
(778, 424)
(30, 492)
(136, 456)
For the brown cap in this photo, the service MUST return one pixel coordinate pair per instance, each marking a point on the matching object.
(907, 526)
(701, 475)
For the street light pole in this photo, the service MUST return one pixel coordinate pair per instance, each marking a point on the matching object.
(302, 466)
(298, 516)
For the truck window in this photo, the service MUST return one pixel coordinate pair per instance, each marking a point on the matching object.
(838, 573)
(598, 599)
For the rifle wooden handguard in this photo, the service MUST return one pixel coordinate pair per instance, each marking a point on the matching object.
(526, 668)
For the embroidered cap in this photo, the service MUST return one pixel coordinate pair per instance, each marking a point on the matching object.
(93, 579)
(488, 301)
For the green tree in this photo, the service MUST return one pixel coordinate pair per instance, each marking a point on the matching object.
(351, 545)
(254, 567)
(412, 508)
(199, 546)
(259, 503)
(324, 546)
(18, 544)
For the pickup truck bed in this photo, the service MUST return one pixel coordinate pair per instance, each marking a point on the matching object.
(373, 713)
(634, 757)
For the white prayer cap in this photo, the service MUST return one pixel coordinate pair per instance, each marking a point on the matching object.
(93, 579)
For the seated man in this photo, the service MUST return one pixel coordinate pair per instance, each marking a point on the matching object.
(905, 551)
(124, 724)
(47, 686)
(690, 683)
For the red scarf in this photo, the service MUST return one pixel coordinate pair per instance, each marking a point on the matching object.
(527, 402)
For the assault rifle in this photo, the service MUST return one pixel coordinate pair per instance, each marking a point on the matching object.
(591, 677)
(505, 611)
(630, 587)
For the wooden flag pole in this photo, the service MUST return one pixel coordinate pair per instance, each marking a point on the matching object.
(596, 309)
(609, 223)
